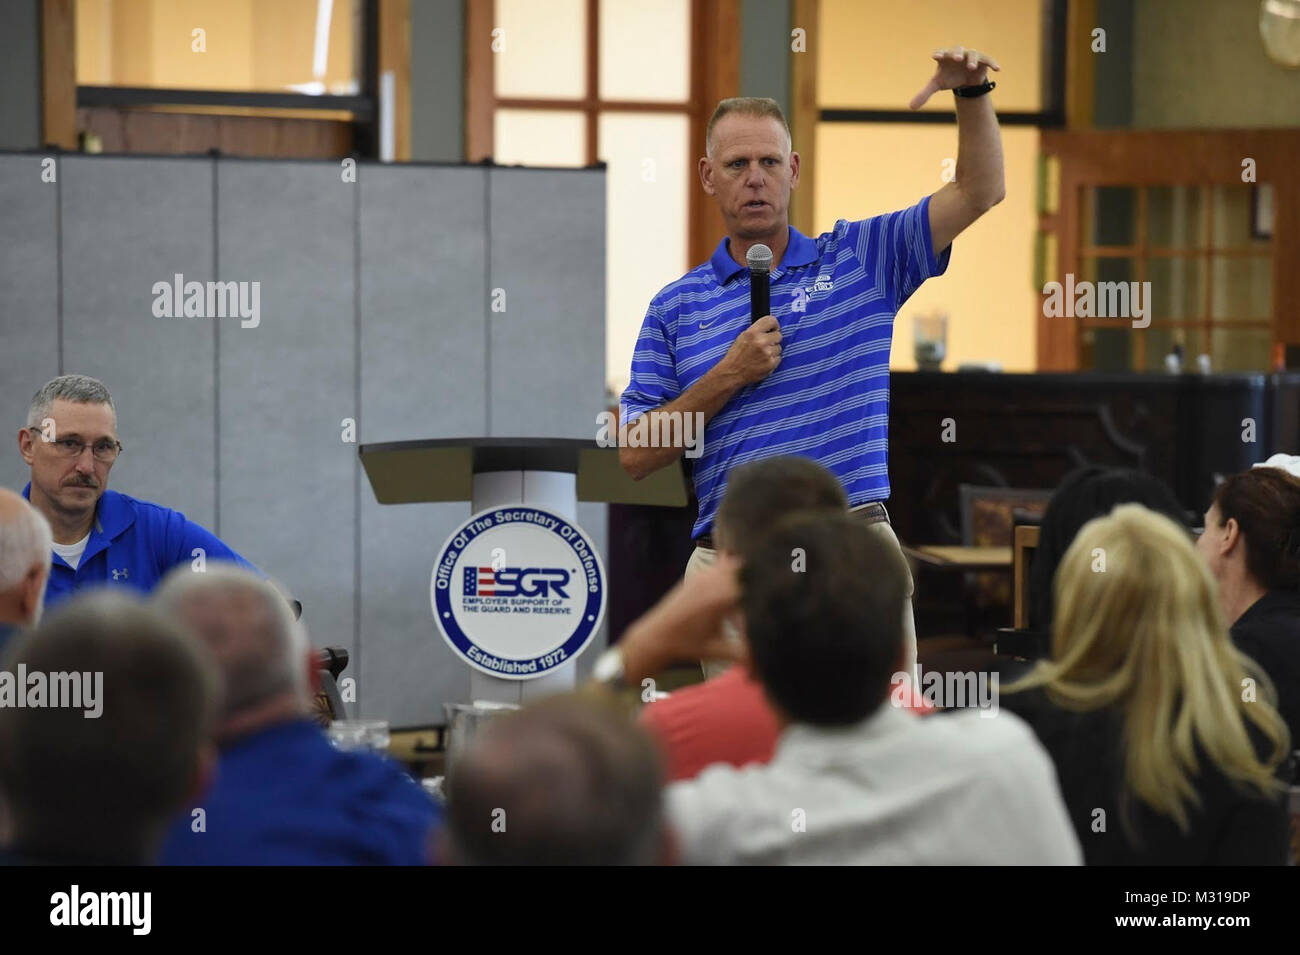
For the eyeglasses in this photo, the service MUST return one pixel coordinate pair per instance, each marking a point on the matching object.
(105, 450)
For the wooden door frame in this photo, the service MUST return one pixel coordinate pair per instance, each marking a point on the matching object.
(1091, 158)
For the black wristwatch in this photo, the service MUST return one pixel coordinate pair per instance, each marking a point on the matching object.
(969, 92)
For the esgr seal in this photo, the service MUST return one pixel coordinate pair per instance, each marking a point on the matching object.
(517, 591)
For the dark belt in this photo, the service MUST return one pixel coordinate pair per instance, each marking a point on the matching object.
(873, 513)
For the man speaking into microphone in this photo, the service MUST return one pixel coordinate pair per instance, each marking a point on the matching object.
(811, 376)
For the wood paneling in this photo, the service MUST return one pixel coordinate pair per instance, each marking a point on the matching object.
(1080, 64)
(804, 112)
(480, 81)
(715, 75)
(122, 130)
(59, 73)
(395, 57)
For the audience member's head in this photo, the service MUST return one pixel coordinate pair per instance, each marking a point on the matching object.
(70, 416)
(1138, 627)
(1084, 494)
(763, 492)
(567, 781)
(1252, 536)
(99, 778)
(25, 555)
(261, 651)
(823, 607)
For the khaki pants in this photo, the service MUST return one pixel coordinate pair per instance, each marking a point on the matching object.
(703, 557)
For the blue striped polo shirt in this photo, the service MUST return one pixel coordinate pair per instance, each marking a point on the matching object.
(835, 298)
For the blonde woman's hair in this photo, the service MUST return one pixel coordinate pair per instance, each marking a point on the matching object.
(1138, 627)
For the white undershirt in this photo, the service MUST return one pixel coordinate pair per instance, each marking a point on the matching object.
(71, 553)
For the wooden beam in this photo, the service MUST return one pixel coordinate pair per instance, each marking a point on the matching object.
(395, 57)
(480, 80)
(804, 113)
(1286, 253)
(715, 75)
(59, 73)
(1080, 64)
(252, 133)
(591, 116)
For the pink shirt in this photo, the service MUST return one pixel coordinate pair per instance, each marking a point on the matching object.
(724, 720)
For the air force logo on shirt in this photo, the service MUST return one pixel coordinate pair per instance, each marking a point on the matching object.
(800, 295)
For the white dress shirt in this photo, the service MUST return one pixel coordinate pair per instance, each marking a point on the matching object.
(954, 788)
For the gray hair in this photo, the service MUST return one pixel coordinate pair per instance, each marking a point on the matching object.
(81, 389)
(270, 660)
(25, 541)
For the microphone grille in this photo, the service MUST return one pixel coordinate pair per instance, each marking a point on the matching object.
(759, 258)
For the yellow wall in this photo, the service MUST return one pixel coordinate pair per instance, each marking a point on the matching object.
(876, 54)
(228, 58)
(987, 292)
(249, 44)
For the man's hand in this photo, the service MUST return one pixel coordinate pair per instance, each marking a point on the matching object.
(686, 624)
(958, 66)
(756, 351)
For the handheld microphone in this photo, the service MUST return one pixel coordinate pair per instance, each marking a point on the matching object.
(760, 266)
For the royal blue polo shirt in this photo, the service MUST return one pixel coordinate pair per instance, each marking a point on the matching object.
(286, 796)
(835, 298)
(133, 543)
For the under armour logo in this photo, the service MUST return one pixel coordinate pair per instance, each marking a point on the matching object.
(122, 574)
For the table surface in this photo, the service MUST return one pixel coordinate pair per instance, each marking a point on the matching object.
(963, 558)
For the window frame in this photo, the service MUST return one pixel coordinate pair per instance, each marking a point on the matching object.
(714, 75)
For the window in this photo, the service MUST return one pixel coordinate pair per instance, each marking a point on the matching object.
(874, 155)
(300, 46)
(576, 82)
(1210, 275)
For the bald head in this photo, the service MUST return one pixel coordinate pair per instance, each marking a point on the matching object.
(564, 782)
(250, 631)
(25, 554)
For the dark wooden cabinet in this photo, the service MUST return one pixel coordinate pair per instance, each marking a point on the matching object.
(1016, 431)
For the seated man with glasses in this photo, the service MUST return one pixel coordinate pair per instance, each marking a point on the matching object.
(100, 536)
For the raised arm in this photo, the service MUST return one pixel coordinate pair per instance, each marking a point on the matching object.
(980, 182)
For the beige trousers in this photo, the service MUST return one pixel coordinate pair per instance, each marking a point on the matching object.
(703, 557)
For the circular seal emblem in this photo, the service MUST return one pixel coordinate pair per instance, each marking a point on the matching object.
(517, 591)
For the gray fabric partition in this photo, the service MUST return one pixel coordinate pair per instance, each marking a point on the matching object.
(423, 354)
(375, 305)
(553, 280)
(128, 224)
(287, 477)
(29, 299)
